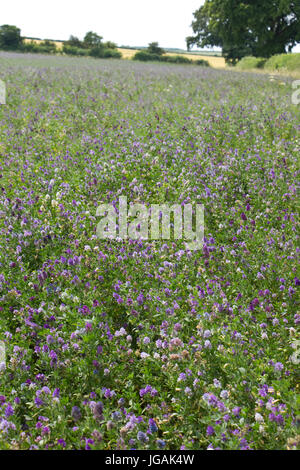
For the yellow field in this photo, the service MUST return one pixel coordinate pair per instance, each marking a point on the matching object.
(216, 62)
(58, 44)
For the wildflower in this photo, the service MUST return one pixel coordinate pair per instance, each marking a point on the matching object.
(210, 431)
(161, 444)
(109, 425)
(61, 442)
(76, 413)
(259, 418)
(278, 366)
(236, 411)
(152, 426)
(98, 411)
(97, 435)
(144, 355)
(207, 334)
(142, 437)
(116, 415)
(8, 410)
(181, 377)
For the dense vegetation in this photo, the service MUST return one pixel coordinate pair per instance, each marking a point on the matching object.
(140, 344)
(259, 28)
(155, 54)
(280, 62)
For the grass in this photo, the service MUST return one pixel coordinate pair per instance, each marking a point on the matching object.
(251, 63)
(284, 62)
(281, 64)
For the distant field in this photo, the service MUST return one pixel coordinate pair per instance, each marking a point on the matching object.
(59, 44)
(216, 62)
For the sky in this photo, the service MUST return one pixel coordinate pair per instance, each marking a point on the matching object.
(126, 22)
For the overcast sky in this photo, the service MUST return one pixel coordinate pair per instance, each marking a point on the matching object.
(126, 22)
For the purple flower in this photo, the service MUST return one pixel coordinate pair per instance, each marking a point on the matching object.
(210, 430)
(98, 411)
(9, 410)
(152, 425)
(278, 366)
(160, 443)
(279, 419)
(61, 442)
(76, 413)
(140, 299)
(181, 377)
(236, 411)
(272, 417)
(142, 437)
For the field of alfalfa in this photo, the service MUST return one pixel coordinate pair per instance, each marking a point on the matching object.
(140, 344)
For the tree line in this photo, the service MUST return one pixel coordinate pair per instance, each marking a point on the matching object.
(91, 45)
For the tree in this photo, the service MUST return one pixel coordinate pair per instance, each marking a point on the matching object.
(92, 40)
(10, 37)
(110, 45)
(153, 48)
(252, 27)
(74, 42)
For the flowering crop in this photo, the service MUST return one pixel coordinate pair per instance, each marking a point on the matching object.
(143, 344)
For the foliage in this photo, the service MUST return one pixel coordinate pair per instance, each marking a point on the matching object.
(103, 52)
(249, 28)
(92, 40)
(74, 41)
(44, 47)
(112, 53)
(76, 51)
(251, 63)
(145, 56)
(153, 48)
(283, 62)
(48, 46)
(289, 62)
(10, 37)
(177, 59)
(110, 45)
(202, 62)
